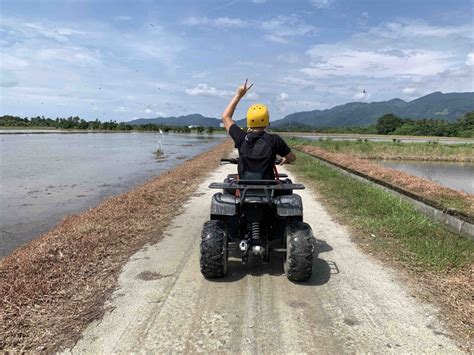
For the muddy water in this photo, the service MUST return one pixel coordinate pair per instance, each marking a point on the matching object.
(454, 175)
(44, 177)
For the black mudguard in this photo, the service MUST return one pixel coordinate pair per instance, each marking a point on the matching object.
(224, 205)
(289, 205)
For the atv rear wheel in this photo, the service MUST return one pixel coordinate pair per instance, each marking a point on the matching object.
(214, 249)
(299, 251)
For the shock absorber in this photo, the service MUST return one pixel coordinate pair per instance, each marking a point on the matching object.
(255, 230)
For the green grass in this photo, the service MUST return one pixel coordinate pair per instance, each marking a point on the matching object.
(400, 230)
(387, 150)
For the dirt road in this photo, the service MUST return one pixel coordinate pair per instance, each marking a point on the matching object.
(352, 303)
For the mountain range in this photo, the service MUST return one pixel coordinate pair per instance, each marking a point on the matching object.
(436, 105)
(195, 119)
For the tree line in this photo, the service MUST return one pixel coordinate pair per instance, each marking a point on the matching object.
(391, 124)
(79, 123)
(394, 125)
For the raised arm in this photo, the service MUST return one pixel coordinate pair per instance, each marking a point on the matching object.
(230, 109)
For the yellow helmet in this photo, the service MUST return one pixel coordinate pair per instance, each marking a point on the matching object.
(257, 116)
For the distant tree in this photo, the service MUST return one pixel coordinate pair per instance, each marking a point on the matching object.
(388, 123)
(210, 129)
(83, 124)
(465, 125)
(199, 129)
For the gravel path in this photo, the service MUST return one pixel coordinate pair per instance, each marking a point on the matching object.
(352, 303)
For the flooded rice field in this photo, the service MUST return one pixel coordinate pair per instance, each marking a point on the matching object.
(356, 137)
(457, 176)
(44, 177)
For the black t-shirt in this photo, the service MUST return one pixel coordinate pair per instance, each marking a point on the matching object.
(257, 152)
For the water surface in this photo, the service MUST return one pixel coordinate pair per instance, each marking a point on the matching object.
(457, 176)
(413, 139)
(43, 177)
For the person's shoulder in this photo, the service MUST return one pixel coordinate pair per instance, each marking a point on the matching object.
(236, 133)
(274, 136)
(235, 128)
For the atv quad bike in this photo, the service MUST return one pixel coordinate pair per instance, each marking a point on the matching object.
(257, 217)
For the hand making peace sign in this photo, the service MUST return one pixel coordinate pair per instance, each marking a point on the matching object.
(242, 90)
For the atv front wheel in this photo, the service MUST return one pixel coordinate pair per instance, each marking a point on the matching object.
(299, 251)
(214, 249)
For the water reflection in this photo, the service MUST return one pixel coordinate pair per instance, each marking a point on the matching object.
(46, 176)
(454, 175)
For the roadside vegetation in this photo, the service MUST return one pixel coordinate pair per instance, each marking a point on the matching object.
(391, 228)
(443, 197)
(392, 125)
(366, 149)
(78, 123)
(379, 213)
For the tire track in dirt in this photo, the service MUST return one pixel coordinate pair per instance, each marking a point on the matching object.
(351, 304)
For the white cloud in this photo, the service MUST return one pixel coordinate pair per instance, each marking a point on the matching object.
(148, 110)
(409, 91)
(251, 95)
(222, 22)
(361, 96)
(229, 22)
(470, 59)
(406, 59)
(413, 28)
(11, 62)
(59, 34)
(321, 4)
(206, 90)
(68, 54)
(281, 28)
(342, 60)
(282, 96)
(278, 29)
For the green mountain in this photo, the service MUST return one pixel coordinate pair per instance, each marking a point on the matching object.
(188, 120)
(436, 105)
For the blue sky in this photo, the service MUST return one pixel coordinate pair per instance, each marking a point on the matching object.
(127, 59)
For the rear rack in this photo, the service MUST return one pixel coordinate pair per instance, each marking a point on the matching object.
(255, 185)
(267, 186)
(235, 176)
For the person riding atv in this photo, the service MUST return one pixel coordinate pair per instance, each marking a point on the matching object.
(257, 214)
(257, 148)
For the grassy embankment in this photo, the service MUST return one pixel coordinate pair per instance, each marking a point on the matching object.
(392, 229)
(396, 151)
(356, 156)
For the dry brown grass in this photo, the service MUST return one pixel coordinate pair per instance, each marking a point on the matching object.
(52, 287)
(425, 188)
